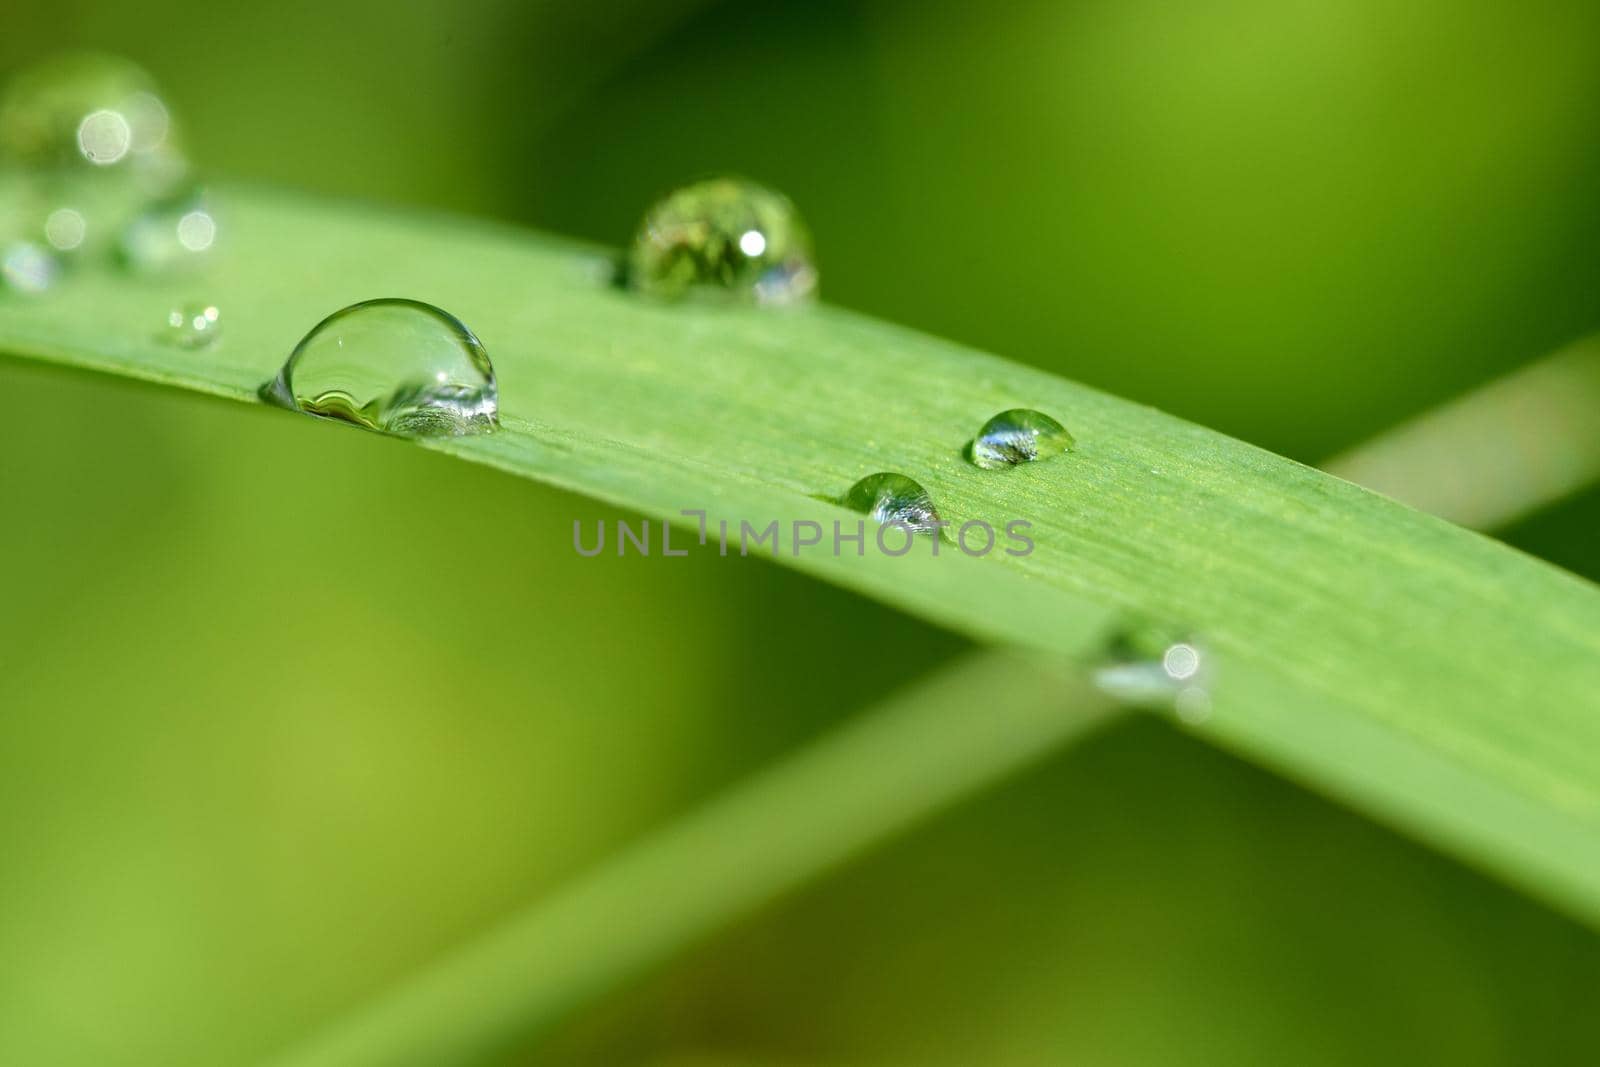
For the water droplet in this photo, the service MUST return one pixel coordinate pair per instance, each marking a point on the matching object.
(400, 366)
(175, 234)
(1150, 665)
(27, 267)
(68, 215)
(887, 497)
(85, 112)
(726, 237)
(91, 143)
(65, 228)
(193, 325)
(1020, 435)
(104, 137)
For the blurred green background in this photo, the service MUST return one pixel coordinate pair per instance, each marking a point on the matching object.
(286, 710)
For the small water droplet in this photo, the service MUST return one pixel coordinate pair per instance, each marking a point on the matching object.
(1150, 665)
(1020, 435)
(27, 267)
(888, 497)
(400, 366)
(728, 237)
(173, 234)
(193, 325)
(85, 112)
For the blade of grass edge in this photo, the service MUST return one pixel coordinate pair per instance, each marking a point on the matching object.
(1497, 453)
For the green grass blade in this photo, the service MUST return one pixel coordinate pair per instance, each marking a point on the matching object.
(1408, 666)
(922, 750)
(1498, 453)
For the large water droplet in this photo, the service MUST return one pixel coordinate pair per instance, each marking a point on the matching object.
(193, 325)
(888, 497)
(172, 234)
(725, 237)
(1151, 665)
(26, 267)
(1020, 435)
(400, 366)
(82, 112)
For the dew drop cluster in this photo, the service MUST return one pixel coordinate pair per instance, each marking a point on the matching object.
(93, 169)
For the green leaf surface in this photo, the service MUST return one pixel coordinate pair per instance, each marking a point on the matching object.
(1419, 671)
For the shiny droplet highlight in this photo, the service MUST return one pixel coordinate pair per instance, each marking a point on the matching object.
(888, 497)
(1020, 435)
(727, 238)
(399, 366)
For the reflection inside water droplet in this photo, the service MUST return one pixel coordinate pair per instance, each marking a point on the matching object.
(888, 497)
(400, 366)
(725, 237)
(752, 243)
(1020, 435)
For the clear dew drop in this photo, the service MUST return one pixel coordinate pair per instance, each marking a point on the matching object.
(171, 235)
(888, 497)
(1020, 435)
(29, 268)
(399, 366)
(193, 325)
(727, 238)
(1149, 665)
